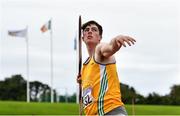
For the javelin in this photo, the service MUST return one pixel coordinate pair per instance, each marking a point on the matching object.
(80, 65)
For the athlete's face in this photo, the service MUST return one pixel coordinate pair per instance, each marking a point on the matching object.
(91, 34)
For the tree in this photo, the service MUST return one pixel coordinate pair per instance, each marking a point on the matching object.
(65, 98)
(39, 91)
(153, 98)
(128, 93)
(166, 100)
(13, 88)
(140, 99)
(175, 94)
(72, 98)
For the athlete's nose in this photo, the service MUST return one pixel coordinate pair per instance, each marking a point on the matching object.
(90, 31)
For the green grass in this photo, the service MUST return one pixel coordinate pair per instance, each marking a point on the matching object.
(154, 110)
(23, 108)
(38, 108)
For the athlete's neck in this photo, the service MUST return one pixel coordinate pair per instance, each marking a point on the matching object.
(91, 50)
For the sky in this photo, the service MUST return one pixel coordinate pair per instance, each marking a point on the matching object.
(151, 65)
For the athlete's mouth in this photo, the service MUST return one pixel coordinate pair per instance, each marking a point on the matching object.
(89, 37)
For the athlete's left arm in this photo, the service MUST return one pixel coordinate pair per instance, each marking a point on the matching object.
(108, 49)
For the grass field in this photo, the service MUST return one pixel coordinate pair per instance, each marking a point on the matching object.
(23, 108)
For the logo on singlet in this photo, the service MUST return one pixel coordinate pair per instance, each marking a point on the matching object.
(87, 97)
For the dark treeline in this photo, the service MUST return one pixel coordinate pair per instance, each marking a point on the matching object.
(14, 88)
(129, 95)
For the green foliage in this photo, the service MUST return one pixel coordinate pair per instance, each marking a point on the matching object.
(71, 99)
(13, 88)
(175, 94)
(153, 98)
(128, 93)
(40, 91)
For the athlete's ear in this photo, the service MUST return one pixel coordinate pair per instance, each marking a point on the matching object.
(82, 38)
(100, 38)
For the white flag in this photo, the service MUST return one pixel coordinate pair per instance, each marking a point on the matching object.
(18, 33)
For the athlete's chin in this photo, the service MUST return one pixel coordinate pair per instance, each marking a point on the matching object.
(90, 42)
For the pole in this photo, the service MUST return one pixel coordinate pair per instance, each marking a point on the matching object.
(133, 110)
(51, 53)
(80, 65)
(27, 65)
(77, 65)
(66, 95)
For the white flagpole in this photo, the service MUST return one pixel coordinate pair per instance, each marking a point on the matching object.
(27, 64)
(77, 57)
(51, 52)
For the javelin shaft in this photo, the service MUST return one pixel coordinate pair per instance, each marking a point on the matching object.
(80, 65)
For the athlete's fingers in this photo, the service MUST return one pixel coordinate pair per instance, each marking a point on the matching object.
(127, 41)
(78, 79)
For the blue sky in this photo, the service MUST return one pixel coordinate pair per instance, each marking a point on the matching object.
(152, 65)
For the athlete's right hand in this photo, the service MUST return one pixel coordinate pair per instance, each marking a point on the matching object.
(79, 79)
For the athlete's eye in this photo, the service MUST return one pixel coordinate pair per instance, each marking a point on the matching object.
(86, 29)
(94, 29)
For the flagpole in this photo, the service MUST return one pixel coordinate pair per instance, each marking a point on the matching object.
(27, 65)
(51, 53)
(77, 88)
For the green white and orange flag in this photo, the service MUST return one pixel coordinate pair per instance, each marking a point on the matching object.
(46, 26)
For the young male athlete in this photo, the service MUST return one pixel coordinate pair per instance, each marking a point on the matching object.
(100, 84)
